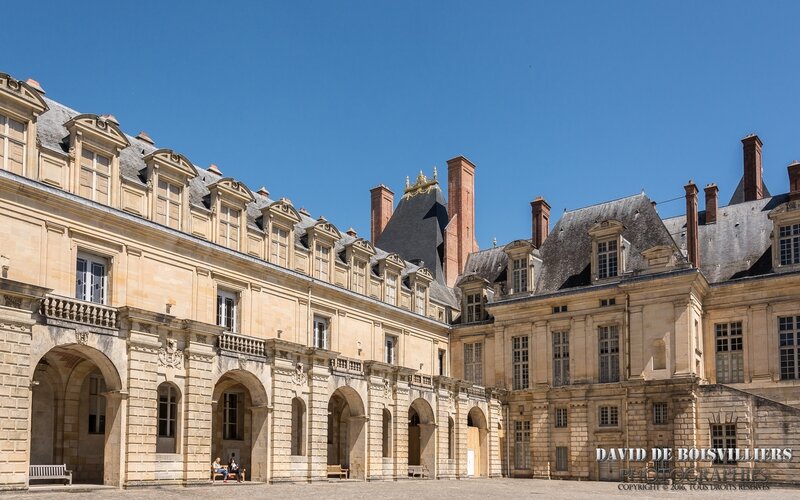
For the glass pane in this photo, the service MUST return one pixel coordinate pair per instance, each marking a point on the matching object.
(16, 130)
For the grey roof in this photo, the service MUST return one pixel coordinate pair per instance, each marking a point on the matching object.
(738, 244)
(416, 230)
(490, 264)
(53, 135)
(738, 194)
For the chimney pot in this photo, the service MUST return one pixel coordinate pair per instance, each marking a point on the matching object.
(214, 169)
(753, 180)
(692, 239)
(540, 221)
(381, 208)
(35, 85)
(711, 203)
(143, 136)
(263, 192)
(352, 232)
(794, 181)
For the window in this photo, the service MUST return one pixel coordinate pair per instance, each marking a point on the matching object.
(559, 309)
(562, 458)
(659, 413)
(359, 276)
(320, 332)
(229, 225)
(607, 259)
(387, 434)
(451, 438)
(473, 363)
(279, 247)
(789, 333)
(167, 418)
(561, 418)
(474, 307)
(95, 176)
(91, 279)
(233, 416)
(442, 358)
(522, 445)
(723, 436)
(420, 299)
(560, 358)
(168, 204)
(609, 353)
(519, 357)
(520, 275)
(789, 244)
(391, 288)
(609, 416)
(322, 262)
(97, 404)
(12, 145)
(298, 426)
(391, 349)
(227, 303)
(662, 466)
(608, 302)
(730, 364)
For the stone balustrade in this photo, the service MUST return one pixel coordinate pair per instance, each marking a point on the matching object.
(78, 311)
(347, 365)
(235, 342)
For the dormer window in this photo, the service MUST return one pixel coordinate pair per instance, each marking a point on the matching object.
(474, 307)
(279, 246)
(391, 288)
(520, 275)
(322, 262)
(168, 204)
(420, 300)
(789, 244)
(12, 145)
(229, 227)
(607, 259)
(95, 176)
(359, 276)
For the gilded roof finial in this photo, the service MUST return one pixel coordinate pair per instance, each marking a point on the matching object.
(421, 185)
(408, 182)
(435, 174)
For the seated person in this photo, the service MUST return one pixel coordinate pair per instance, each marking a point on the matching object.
(218, 468)
(233, 468)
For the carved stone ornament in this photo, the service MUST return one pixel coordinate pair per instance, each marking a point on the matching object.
(169, 355)
(82, 335)
(387, 388)
(299, 377)
(242, 363)
(11, 301)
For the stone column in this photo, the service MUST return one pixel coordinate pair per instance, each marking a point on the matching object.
(197, 430)
(259, 470)
(379, 398)
(462, 409)
(357, 445)
(580, 453)
(114, 451)
(142, 406)
(540, 439)
(285, 387)
(494, 417)
(317, 430)
(400, 413)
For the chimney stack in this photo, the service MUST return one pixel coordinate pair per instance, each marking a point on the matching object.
(382, 205)
(794, 181)
(460, 237)
(540, 221)
(753, 182)
(711, 203)
(692, 239)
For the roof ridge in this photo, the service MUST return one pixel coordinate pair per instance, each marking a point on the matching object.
(642, 194)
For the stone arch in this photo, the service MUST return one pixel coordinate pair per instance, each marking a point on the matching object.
(421, 436)
(240, 422)
(477, 438)
(347, 431)
(78, 396)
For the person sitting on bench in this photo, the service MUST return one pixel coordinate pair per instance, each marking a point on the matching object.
(219, 469)
(233, 468)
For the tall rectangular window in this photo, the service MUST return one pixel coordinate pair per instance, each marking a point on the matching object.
(659, 413)
(562, 458)
(227, 305)
(97, 405)
(522, 445)
(789, 345)
(279, 246)
(473, 363)
(789, 244)
(608, 337)
(729, 347)
(561, 418)
(607, 259)
(391, 350)
(322, 262)
(320, 332)
(233, 416)
(391, 288)
(474, 307)
(359, 276)
(167, 410)
(560, 358)
(723, 436)
(91, 278)
(519, 359)
(609, 416)
(12, 145)
(442, 359)
(95, 176)
(168, 204)
(229, 227)
(520, 275)
(420, 299)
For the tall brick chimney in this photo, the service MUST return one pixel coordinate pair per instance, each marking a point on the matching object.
(540, 221)
(382, 205)
(711, 203)
(753, 182)
(692, 239)
(460, 237)
(794, 181)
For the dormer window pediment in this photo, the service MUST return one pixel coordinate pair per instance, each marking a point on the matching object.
(21, 96)
(282, 211)
(174, 164)
(232, 191)
(324, 230)
(101, 130)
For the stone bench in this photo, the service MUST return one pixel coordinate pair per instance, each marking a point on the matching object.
(50, 472)
(215, 474)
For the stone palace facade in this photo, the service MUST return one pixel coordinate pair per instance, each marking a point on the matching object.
(155, 314)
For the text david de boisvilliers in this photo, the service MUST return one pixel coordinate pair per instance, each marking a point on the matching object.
(692, 454)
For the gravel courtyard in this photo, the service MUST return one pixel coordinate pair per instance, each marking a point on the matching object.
(439, 490)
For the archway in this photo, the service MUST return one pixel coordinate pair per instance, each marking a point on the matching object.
(477, 454)
(421, 441)
(75, 414)
(239, 422)
(346, 432)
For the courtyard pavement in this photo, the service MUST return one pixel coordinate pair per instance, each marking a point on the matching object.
(402, 490)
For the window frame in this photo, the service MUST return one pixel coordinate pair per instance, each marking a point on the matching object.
(97, 405)
(360, 276)
(789, 244)
(233, 416)
(520, 362)
(85, 285)
(223, 313)
(519, 274)
(729, 352)
(93, 169)
(561, 417)
(608, 416)
(560, 358)
(390, 345)
(522, 444)
(169, 203)
(322, 262)
(227, 226)
(608, 258)
(608, 352)
(279, 245)
(473, 363)
(325, 334)
(474, 305)
(391, 288)
(789, 347)
(420, 304)
(562, 459)
(6, 140)
(660, 413)
(722, 437)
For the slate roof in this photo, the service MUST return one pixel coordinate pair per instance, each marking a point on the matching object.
(738, 245)
(738, 193)
(53, 135)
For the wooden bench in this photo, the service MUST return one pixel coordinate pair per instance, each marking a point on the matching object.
(215, 474)
(50, 472)
(336, 470)
(418, 471)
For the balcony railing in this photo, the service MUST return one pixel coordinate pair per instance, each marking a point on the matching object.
(243, 344)
(347, 365)
(418, 379)
(79, 311)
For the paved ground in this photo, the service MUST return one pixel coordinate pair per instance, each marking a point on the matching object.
(404, 490)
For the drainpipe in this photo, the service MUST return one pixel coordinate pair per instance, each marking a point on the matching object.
(627, 336)
(508, 442)
(309, 318)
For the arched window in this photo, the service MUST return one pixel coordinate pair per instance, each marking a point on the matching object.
(387, 433)
(451, 441)
(168, 398)
(298, 427)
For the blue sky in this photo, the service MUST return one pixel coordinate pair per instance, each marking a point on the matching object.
(579, 102)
